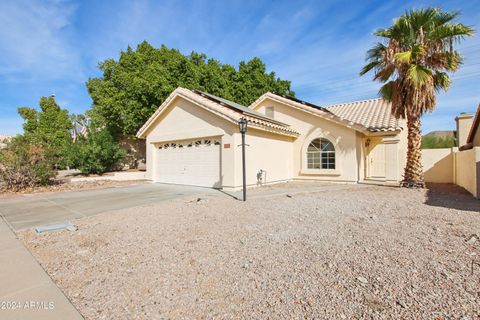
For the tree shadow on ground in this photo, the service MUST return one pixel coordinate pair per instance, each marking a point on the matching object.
(451, 196)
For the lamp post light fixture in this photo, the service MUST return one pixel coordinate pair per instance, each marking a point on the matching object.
(242, 124)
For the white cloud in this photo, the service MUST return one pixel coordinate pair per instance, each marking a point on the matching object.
(34, 41)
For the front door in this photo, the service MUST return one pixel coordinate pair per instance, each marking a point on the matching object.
(376, 160)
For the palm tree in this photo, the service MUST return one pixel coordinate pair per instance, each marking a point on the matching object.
(414, 61)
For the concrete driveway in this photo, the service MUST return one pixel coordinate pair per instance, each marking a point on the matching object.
(29, 211)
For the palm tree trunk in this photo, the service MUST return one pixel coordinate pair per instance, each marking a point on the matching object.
(413, 177)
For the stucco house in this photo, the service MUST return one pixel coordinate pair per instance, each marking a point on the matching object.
(193, 138)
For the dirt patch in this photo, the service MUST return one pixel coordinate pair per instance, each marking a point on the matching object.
(370, 252)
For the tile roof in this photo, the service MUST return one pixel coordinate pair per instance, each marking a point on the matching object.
(226, 109)
(374, 114)
(365, 116)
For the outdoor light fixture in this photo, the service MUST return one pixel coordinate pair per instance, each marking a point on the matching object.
(242, 125)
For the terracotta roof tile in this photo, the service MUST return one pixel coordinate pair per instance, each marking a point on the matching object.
(373, 114)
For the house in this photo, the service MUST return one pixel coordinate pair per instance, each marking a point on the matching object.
(472, 134)
(193, 138)
(3, 140)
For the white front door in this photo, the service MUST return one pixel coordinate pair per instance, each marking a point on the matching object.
(195, 163)
(376, 161)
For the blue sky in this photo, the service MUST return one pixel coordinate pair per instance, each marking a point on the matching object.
(54, 46)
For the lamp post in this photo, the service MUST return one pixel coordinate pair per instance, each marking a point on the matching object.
(242, 124)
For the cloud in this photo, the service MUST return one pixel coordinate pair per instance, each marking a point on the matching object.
(34, 41)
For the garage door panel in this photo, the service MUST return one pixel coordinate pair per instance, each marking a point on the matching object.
(197, 165)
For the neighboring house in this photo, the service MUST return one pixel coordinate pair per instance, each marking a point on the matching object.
(193, 138)
(3, 140)
(473, 137)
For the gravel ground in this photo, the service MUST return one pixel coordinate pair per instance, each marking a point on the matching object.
(369, 252)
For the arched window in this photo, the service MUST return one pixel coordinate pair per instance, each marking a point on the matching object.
(321, 154)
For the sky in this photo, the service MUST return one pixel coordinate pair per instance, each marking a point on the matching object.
(54, 47)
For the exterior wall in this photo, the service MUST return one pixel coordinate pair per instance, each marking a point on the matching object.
(311, 127)
(464, 123)
(184, 120)
(438, 165)
(467, 170)
(264, 151)
(453, 166)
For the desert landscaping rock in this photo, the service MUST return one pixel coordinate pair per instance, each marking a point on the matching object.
(313, 256)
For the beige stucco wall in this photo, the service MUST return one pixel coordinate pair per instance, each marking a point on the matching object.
(183, 120)
(438, 165)
(264, 151)
(311, 127)
(467, 170)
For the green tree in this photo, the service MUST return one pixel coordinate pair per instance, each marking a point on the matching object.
(95, 153)
(133, 87)
(49, 128)
(415, 60)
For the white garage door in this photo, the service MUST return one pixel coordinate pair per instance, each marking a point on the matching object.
(195, 163)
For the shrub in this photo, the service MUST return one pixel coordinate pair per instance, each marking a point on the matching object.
(96, 153)
(25, 165)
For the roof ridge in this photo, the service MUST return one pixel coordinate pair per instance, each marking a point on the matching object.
(238, 107)
(352, 102)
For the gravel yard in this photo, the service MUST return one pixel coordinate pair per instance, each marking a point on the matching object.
(363, 252)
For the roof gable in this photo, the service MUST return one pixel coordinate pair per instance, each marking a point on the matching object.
(223, 108)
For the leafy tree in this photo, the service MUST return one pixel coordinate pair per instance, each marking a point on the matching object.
(25, 165)
(133, 87)
(48, 128)
(98, 152)
(414, 60)
(432, 142)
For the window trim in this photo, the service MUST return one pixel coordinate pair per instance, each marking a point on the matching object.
(320, 153)
(319, 134)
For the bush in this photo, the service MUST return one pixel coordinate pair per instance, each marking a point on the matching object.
(96, 153)
(25, 165)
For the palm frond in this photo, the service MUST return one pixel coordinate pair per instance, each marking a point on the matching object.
(455, 32)
(386, 91)
(418, 75)
(369, 66)
(443, 17)
(403, 57)
(441, 81)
